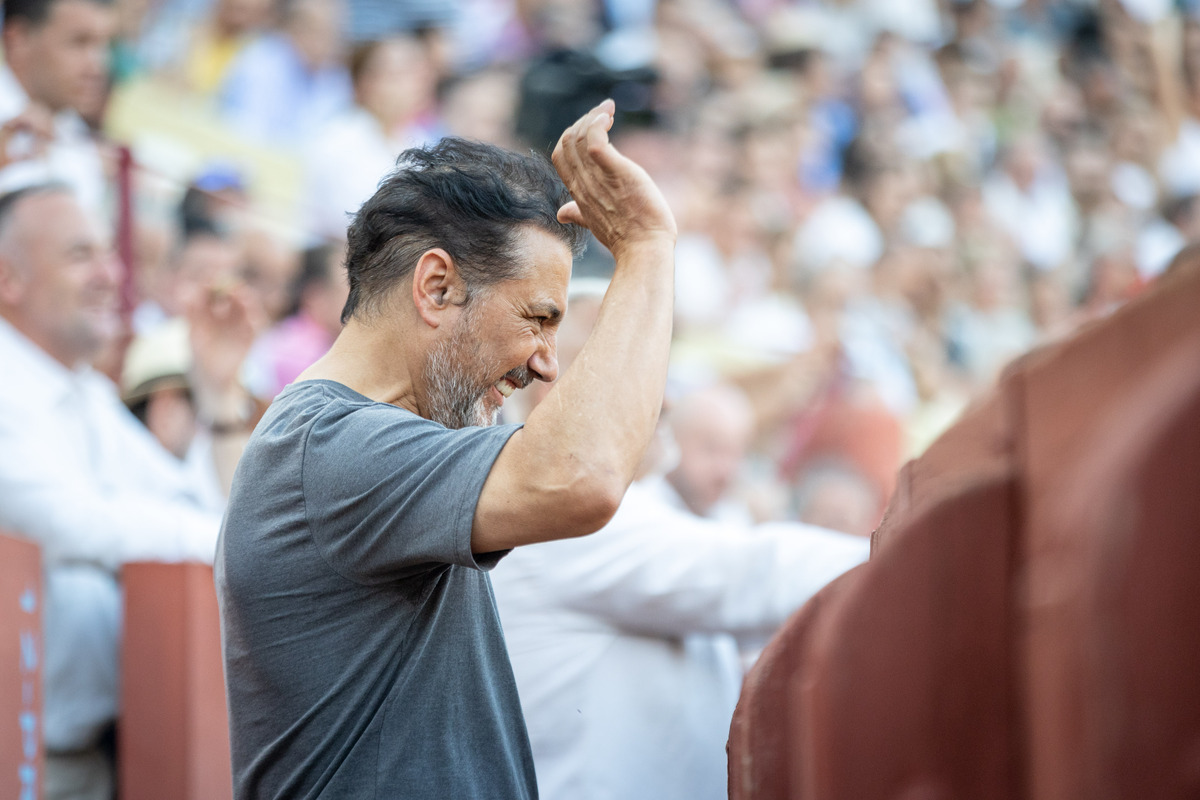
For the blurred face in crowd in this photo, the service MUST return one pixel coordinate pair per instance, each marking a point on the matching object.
(235, 17)
(712, 429)
(504, 339)
(315, 27)
(397, 80)
(838, 499)
(58, 278)
(481, 107)
(268, 267)
(63, 61)
(171, 417)
(205, 262)
(323, 301)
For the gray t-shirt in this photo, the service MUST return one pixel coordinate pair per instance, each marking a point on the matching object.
(363, 650)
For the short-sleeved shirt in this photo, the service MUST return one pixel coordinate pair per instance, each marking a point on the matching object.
(363, 651)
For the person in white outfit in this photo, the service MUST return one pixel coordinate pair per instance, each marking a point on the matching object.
(623, 642)
(80, 476)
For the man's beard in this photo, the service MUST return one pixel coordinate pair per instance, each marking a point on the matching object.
(459, 380)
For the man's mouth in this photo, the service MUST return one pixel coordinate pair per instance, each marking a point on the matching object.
(515, 379)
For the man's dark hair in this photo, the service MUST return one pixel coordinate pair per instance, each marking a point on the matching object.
(34, 12)
(469, 198)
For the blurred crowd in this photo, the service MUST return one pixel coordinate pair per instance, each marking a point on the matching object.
(880, 203)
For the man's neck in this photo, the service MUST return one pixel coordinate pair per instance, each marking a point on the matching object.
(371, 360)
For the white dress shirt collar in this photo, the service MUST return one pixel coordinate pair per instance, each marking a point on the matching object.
(32, 371)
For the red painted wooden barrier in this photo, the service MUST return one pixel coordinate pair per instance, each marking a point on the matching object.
(1027, 626)
(762, 753)
(21, 749)
(174, 736)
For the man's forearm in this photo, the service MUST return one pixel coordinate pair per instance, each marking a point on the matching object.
(565, 472)
(605, 407)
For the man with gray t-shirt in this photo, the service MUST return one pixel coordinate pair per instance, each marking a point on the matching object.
(363, 651)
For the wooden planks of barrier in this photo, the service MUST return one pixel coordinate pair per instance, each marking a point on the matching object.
(1026, 625)
(21, 750)
(174, 734)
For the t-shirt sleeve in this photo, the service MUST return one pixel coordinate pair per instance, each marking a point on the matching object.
(389, 494)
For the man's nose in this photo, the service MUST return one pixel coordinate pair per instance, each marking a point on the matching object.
(544, 362)
(107, 270)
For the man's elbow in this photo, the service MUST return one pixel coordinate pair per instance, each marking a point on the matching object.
(589, 505)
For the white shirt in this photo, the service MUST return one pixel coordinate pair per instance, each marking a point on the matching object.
(345, 164)
(1042, 221)
(618, 642)
(71, 158)
(82, 478)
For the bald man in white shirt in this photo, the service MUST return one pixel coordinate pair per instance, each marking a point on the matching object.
(78, 474)
(623, 644)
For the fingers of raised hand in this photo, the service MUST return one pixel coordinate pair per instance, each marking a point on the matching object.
(570, 213)
(573, 145)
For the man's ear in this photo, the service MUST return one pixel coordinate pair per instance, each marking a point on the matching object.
(437, 288)
(15, 38)
(12, 283)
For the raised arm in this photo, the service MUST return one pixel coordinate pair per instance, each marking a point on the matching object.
(565, 472)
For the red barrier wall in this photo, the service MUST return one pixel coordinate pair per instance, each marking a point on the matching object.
(174, 736)
(1027, 626)
(21, 750)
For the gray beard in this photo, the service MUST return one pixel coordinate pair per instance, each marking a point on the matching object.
(454, 399)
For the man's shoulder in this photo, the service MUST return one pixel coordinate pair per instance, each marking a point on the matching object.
(324, 403)
(331, 415)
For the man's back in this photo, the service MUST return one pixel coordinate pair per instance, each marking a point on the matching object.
(363, 650)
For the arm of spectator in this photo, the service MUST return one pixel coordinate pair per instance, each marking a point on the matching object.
(75, 517)
(659, 571)
(564, 473)
(223, 324)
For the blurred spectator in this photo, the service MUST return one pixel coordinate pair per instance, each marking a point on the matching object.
(480, 106)
(394, 95)
(1163, 237)
(713, 429)
(156, 385)
(215, 46)
(215, 200)
(268, 268)
(880, 203)
(80, 476)
(620, 640)
(285, 85)
(202, 259)
(1030, 200)
(55, 74)
(838, 497)
(379, 19)
(991, 327)
(318, 294)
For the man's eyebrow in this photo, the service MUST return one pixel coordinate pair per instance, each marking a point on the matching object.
(546, 310)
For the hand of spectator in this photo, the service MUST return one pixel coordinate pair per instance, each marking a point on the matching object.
(614, 198)
(223, 323)
(25, 136)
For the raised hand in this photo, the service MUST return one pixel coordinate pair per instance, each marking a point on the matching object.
(612, 196)
(26, 135)
(223, 325)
